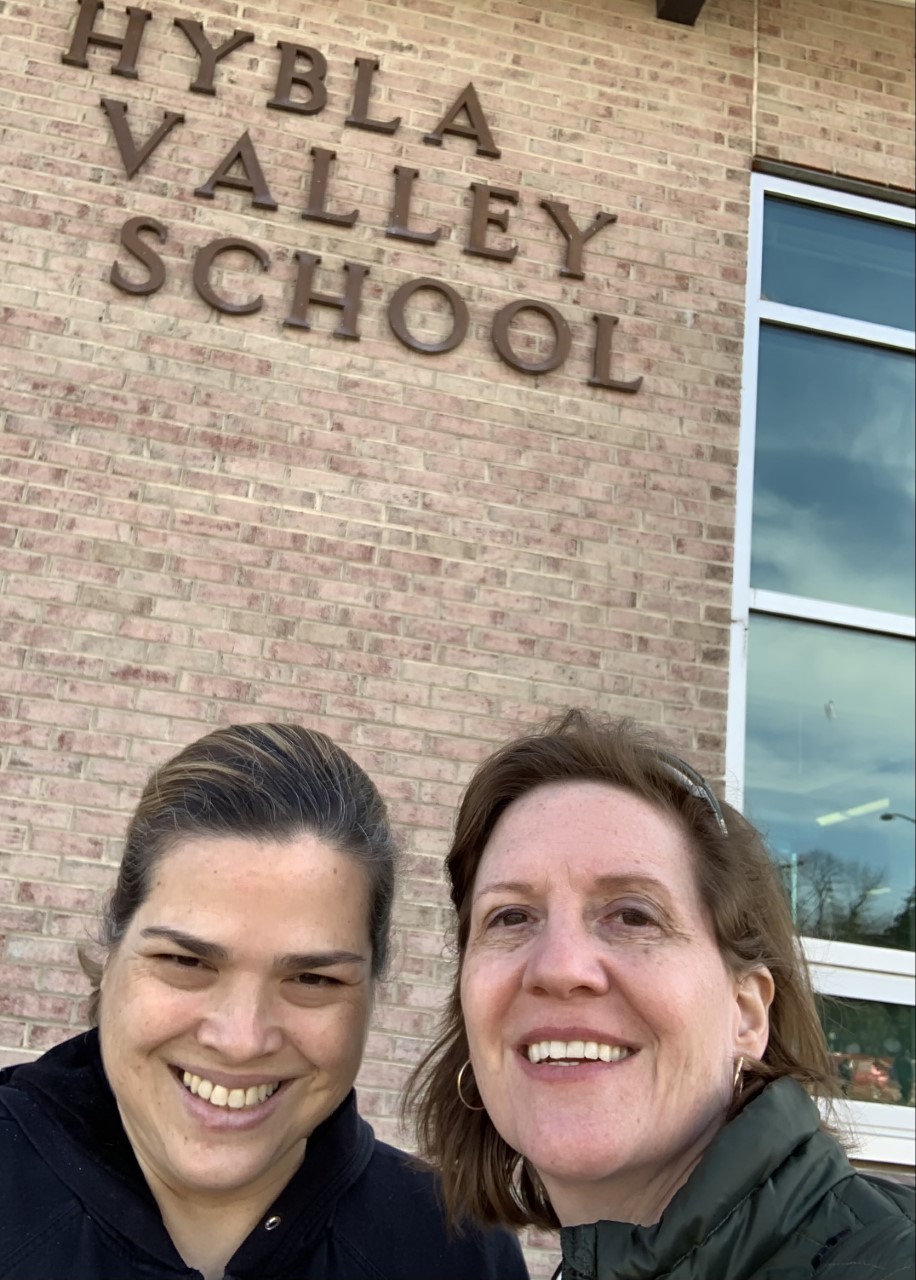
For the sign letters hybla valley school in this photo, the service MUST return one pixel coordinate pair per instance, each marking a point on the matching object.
(301, 88)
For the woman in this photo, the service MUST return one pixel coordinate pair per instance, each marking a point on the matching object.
(209, 1126)
(632, 1040)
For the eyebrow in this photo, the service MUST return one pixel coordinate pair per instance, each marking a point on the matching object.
(217, 954)
(318, 959)
(602, 884)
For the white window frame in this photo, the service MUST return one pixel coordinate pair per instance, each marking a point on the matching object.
(882, 1133)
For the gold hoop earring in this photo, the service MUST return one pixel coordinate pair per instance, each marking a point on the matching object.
(736, 1079)
(461, 1096)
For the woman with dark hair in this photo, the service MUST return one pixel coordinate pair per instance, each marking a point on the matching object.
(208, 1126)
(631, 1045)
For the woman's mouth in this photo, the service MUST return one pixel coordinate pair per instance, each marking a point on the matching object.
(219, 1096)
(572, 1052)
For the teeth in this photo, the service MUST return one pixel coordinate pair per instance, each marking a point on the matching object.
(572, 1051)
(218, 1096)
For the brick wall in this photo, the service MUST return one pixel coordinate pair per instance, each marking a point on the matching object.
(835, 87)
(213, 517)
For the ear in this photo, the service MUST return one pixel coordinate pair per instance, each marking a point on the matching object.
(753, 997)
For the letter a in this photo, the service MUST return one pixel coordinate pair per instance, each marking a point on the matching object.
(477, 128)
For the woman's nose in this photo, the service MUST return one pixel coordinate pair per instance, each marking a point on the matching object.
(565, 960)
(240, 1024)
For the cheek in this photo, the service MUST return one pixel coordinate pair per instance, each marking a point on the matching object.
(484, 1000)
(137, 1015)
(698, 1007)
(333, 1039)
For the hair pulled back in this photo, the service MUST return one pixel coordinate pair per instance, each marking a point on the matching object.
(260, 782)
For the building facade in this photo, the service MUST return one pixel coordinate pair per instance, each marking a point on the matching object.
(415, 370)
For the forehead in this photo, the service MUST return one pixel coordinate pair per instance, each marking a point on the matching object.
(231, 889)
(591, 828)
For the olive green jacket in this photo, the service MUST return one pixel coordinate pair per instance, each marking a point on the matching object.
(774, 1198)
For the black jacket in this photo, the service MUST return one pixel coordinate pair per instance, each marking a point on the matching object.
(74, 1204)
(774, 1198)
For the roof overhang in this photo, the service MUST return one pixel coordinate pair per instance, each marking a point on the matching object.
(684, 11)
(687, 11)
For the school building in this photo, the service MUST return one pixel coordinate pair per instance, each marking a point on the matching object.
(416, 369)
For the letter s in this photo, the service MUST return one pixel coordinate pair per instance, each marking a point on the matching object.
(130, 240)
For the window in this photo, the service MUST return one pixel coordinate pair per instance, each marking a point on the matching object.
(821, 700)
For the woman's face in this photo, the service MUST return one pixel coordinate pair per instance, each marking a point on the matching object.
(602, 1021)
(246, 974)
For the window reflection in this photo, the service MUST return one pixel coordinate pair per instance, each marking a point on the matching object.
(872, 1047)
(841, 263)
(834, 488)
(829, 751)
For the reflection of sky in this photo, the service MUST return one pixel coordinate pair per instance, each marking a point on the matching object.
(834, 480)
(839, 263)
(830, 727)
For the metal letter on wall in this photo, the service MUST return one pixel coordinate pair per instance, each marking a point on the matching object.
(476, 128)
(85, 34)
(398, 224)
(130, 239)
(242, 153)
(132, 156)
(207, 55)
(203, 265)
(359, 114)
(396, 319)
(482, 216)
(562, 336)
(313, 80)
(316, 210)
(601, 364)
(305, 296)
(576, 239)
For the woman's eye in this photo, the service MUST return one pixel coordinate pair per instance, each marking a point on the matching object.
(508, 917)
(633, 917)
(182, 962)
(315, 980)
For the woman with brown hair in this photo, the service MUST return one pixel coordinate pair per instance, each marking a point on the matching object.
(631, 1044)
(208, 1128)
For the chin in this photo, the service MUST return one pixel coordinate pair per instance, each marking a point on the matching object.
(219, 1174)
(565, 1160)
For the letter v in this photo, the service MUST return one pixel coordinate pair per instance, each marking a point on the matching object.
(133, 156)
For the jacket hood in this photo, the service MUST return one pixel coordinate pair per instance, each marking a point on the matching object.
(65, 1107)
(763, 1175)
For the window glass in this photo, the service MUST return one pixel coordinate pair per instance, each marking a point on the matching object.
(830, 754)
(872, 1047)
(841, 263)
(834, 480)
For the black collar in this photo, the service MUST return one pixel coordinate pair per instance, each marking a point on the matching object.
(66, 1108)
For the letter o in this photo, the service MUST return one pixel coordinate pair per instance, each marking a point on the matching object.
(203, 265)
(561, 333)
(402, 296)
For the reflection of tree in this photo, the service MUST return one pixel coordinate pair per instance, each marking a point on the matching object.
(835, 898)
(900, 932)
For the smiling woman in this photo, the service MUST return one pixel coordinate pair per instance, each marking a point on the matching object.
(208, 1127)
(632, 1042)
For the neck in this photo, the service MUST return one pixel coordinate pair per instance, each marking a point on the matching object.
(638, 1196)
(208, 1229)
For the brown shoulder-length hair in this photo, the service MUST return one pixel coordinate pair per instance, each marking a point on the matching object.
(483, 1177)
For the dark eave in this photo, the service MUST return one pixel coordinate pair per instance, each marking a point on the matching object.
(685, 11)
